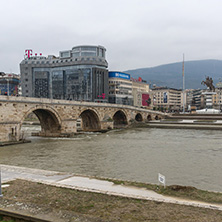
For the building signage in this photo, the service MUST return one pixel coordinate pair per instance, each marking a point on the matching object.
(165, 97)
(138, 80)
(120, 75)
(146, 99)
(28, 53)
(162, 179)
(103, 96)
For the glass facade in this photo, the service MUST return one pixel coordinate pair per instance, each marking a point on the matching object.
(58, 84)
(78, 84)
(41, 84)
(88, 51)
(82, 83)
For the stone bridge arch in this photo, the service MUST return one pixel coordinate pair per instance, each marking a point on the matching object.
(139, 117)
(149, 117)
(49, 120)
(90, 120)
(158, 117)
(120, 119)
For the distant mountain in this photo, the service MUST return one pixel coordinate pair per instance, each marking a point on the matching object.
(171, 74)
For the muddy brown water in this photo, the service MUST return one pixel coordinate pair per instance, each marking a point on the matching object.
(184, 156)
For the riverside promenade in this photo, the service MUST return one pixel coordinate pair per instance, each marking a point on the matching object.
(90, 184)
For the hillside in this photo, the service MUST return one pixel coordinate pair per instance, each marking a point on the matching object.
(171, 74)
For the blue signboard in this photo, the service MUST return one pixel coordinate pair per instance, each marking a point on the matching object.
(121, 75)
(165, 97)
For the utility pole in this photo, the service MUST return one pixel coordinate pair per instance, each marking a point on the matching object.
(183, 87)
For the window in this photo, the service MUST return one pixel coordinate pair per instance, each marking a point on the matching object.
(26, 80)
(88, 49)
(88, 53)
(76, 54)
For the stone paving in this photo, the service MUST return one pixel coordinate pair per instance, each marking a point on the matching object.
(84, 183)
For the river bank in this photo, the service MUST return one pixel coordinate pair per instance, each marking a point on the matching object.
(132, 189)
(66, 205)
(58, 196)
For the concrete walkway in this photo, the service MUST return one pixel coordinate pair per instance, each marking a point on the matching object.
(83, 183)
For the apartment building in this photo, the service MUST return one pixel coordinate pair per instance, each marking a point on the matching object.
(167, 99)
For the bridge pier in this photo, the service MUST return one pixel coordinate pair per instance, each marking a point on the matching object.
(69, 127)
(9, 131)
(106, 125)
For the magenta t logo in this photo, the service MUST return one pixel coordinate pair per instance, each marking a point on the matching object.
(28, 53)
(102, 96)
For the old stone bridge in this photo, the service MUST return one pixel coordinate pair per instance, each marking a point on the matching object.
(60, 117)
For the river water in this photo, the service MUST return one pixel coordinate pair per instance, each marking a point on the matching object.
(184, 156)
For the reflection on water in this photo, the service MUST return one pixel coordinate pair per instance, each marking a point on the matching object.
(186, 157)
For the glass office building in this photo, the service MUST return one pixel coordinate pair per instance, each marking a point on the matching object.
(78, 74)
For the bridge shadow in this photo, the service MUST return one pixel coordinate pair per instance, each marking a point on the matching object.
(49, 122)
(119, 120)
(139, 117)
(90, 121)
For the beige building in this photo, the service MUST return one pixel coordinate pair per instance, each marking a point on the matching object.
(141, 93)
(120, 88)
(167, 99)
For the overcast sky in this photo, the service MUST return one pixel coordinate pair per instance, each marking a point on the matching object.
(136, 33)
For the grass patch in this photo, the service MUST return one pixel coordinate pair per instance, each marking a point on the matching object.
(88, 206)
(186, 192)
